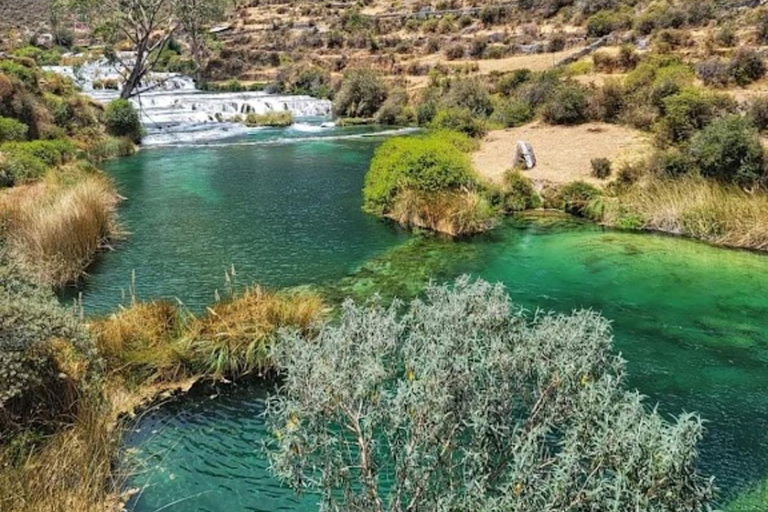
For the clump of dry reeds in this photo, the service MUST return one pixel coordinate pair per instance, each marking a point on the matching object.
(455, 213)
(158, 342)
(699, 208)
(55, 229)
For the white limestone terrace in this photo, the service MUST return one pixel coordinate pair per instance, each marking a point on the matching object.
(173, 111)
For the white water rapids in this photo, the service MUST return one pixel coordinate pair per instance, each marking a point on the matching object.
(174, 112)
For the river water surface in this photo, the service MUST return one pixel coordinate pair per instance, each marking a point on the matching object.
(284, 208)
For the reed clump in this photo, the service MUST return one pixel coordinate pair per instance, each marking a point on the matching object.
(453, 213)
(69, 470)
(696, 207)
(160, 342)
(273, 119)
(54, 228)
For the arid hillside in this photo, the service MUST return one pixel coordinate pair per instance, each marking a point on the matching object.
(23, 15)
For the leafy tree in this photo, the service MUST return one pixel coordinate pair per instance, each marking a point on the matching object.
(194, 17)
(362, 93)
(462, 402)
(149, 26)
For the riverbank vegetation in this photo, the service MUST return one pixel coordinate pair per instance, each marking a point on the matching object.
(56, 209)
(67, 385)
(479, 407)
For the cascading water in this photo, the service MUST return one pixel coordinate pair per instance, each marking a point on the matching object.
(174, 111)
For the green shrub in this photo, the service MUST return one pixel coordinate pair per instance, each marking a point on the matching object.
(395, 110)
(518, 193)
(601, 168)
(576, 197)
(608, 102)
(471, 94)
(604, 22)
(746, 66)
(460, 120)
(460, 384)
(430, 163)
(12, 130)
(40, 56)
(729, 150)
(685, 113)
(514, 113)
(362, 94)
(508, 83)
(50, 152)
(122, 120)
(25, 74)
(757, 112)
(17, 168)
(36, 390)
(671, 163)
(567, 106)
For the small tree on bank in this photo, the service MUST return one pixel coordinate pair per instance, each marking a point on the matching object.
(465, 403)
(148, 26)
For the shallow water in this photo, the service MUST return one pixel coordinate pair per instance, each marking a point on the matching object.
(691, 320)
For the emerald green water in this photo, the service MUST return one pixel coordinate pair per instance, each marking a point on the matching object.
(691, 320)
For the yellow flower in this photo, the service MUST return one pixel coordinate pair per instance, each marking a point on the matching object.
(518, 489)
(585, 379)
(293, 422)
(410, 375)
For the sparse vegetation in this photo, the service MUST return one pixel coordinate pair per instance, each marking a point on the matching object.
(274, 119)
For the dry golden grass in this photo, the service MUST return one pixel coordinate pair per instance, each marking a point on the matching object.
(70, 471)
(235, 337)
(453, 213)
(151, 343)
(139, 343)
(697, 208)
(55, 229)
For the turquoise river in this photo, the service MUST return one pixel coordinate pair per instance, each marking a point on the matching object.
(283, 208)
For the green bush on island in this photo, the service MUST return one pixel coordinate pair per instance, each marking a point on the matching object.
(576, 197)
(428, 181)
(273, 119)
(462, 401)
(122, 120)
(429, 163)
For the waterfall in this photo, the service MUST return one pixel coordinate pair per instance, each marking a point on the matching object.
(172, 110)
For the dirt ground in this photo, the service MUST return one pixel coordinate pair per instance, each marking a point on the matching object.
(563, 153)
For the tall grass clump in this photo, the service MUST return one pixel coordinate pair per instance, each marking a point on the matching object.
(428, 181)
(55, 229)
(236, 336)
(696, 207)
(158, 342)
(273, 119)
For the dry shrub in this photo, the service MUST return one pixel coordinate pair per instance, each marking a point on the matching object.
(697, 208)
(71, 471)
(235, 337)
(56, 229)
(455, 213)
(139, 342)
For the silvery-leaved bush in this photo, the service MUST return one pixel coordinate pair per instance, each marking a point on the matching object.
(463, 402)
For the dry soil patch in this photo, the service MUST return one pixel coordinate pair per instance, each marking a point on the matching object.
(563, 153)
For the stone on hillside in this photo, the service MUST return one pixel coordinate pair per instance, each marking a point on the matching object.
(524, 155)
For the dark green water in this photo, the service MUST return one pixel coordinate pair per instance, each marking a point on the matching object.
(692, 320)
